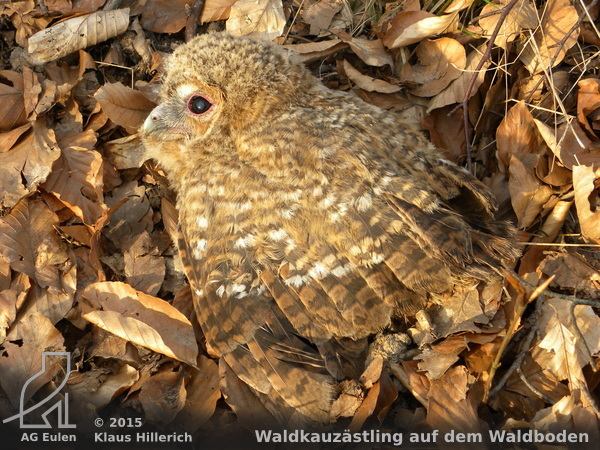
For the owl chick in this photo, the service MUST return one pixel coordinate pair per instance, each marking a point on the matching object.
(309, 218)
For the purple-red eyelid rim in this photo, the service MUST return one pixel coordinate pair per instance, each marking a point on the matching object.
(193, 96)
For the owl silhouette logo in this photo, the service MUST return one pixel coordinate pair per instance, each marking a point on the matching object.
(52, 403)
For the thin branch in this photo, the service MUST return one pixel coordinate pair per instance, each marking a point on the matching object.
(559, 45)
(533, 389)
(525, 346)
(191, 26)
(488, 53)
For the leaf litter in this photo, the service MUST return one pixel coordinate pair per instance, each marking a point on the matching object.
(87, 259)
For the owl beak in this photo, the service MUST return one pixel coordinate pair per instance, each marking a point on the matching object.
(154, 123)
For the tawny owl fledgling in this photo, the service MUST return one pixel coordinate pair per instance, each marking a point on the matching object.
(309, 218)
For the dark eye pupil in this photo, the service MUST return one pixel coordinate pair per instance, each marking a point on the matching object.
(198, 104)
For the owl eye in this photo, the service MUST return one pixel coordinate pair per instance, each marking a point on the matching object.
(198, 104)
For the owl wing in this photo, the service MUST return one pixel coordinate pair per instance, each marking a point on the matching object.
(255, 339)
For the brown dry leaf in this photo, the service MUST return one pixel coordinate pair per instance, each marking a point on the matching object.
(77, 33)
(446, 132)
(165, 16)
(569, 414)
(459, 312)
(126, 152)
(19, 362)
(456, 91)
(440, 62)
(124, 106)
(30, 243)
(572, 272)
(546, 49)
(144, 267)
(142, 319)
(163, 395)
(366, 409)
(316, 51)
(517, 133)
(458, 5)
(434, 364)
(569, 143)
(30, 161)
(528, 194)
(54, 304)
(348, 402)
(12, 101)
(260, 18)
(319, 15)
(407, 372)
(585, 180)
(588, 101)
(13, 294)
(539, 378)
(216, 10)
(133, 217)
(8, 139)
(568, 354)
(522, 15)
(450, 407)
(203, 394)
(76, 177)
(100, 388)
(372, 52)
(368, 83)
(245, 403)
(31, 90)
(409, 27)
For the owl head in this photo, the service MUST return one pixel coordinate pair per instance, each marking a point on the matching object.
(216, 84)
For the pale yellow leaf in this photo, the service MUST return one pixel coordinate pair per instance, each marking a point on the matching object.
(261, 18)
(142, 319)
(409, 27)
(77, 33)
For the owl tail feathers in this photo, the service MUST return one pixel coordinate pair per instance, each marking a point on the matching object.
(287, 376)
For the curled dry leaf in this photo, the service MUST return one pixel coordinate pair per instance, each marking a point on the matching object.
(585, 184)
(165, 16)
(126, 152)
(456, 91)
(572, 272)
(12, 101)
(569, 143)
(522, 15)
(77, 33)
(440, 62)
(76, 176)
(409, 27)
(263, 19)
(249, 409)
(124, 106)
(550, 43)
(30, 244)
(528, 194)
(38, 335)
(450, 407)
(216, 10)
(372, 52)
(368, 83)
(142, 319)
(99, 388)
(517, 133)
(566, 355)
(588, 101)
(319, 15)
(315, 51)
(202, 395)
(163, 395)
